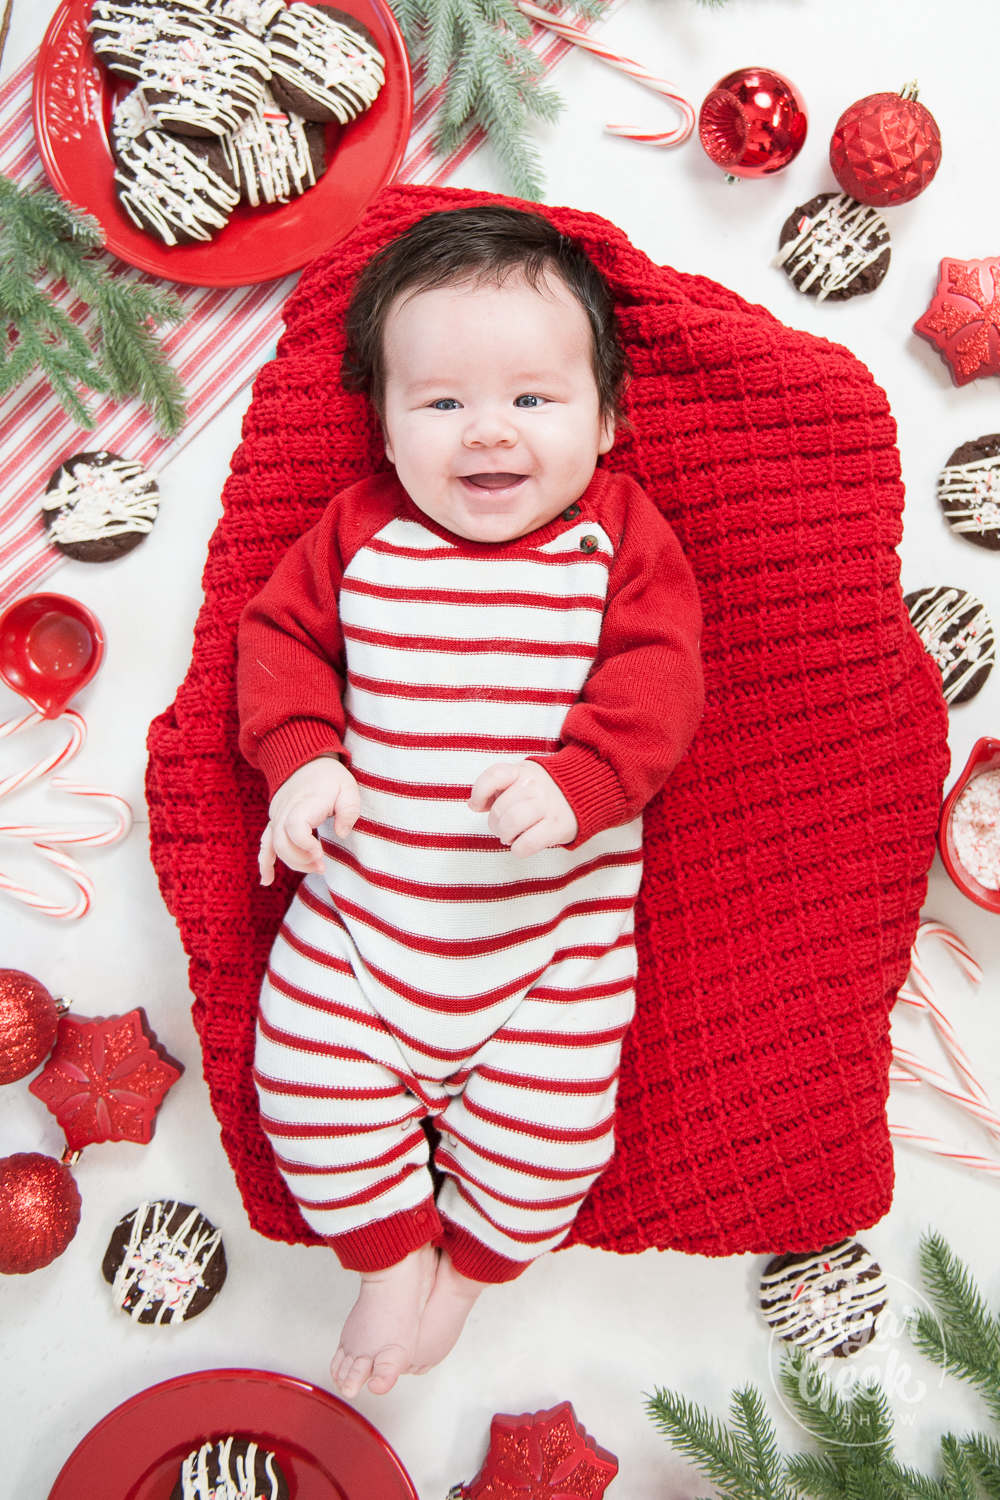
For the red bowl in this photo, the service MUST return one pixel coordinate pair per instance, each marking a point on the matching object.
(50, 648)
(985, 756)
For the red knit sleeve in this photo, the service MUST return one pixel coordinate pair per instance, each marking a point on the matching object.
(290, 672)
(642, 701)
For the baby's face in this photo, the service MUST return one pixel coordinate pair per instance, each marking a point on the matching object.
(491, 413)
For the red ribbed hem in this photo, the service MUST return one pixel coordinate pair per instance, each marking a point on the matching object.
(387, 1241)
(472, 1258)
(590, 787)
(293, 745)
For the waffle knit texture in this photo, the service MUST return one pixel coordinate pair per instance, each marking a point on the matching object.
(786, 858)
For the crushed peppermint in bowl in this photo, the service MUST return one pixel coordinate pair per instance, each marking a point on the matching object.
(969, 828)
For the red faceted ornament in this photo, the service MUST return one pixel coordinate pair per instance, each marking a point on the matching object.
(39, 1211)
(963, 320)
(106, 1079)
(543, 1455)
(753, 122)
(885, 148)
(29, 1018)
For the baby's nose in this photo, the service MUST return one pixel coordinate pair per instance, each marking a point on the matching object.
(489, 428)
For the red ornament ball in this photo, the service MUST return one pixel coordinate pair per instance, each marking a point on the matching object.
(28, 1020)
(39, 1211)
(753, 122)
(885, 148)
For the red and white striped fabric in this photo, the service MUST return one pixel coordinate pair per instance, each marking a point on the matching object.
(434, 973)
(227, 333)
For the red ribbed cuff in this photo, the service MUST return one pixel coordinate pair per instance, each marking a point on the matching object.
(472, 1258)
(387, 1241)
(590, 787)
(293, 745)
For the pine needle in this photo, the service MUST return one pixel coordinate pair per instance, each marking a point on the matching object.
(44, 238)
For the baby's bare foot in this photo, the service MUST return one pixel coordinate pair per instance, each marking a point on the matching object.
(378, 1340)
(444, 1315)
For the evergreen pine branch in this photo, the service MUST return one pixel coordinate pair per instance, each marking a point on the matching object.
(754, 1432)
(743, 1462)
(984, 1454)
(816, 1475)
(41, 235)
(965, 1337)
(960, 1474)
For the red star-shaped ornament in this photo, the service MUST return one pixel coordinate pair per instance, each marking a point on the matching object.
(963, 320)
(542, 1455)
(106, 1079)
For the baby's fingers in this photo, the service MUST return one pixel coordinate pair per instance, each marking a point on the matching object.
(265, 858)
(346, 811)
(490, 783)
(296, 843)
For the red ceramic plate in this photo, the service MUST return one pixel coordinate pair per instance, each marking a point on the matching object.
(327, 1449)
(73, 99)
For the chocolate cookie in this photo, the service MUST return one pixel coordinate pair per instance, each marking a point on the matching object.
(957, 633)
(275, 156)
(179, 189)
(130, 118)
(826, 1303)
(203, 75)
(120, 31)
(165, 1262)
(325, 65)
(255, 15)
(969, 491)
(232, 1468)
(833, 248)
(98, 506)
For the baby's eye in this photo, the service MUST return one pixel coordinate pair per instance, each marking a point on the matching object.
(446, 403)
(528, 401)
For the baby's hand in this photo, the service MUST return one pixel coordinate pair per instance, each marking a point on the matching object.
(320, 789)
(527, 810)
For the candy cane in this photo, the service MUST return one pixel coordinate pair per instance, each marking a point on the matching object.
(921, 995)
(47, 840)
(624, 65)
(910, 1064)
(937, 1147)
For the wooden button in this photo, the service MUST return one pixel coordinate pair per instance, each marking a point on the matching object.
(588, 544)
(571, 512)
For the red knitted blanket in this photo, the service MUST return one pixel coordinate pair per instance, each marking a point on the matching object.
(786, 860)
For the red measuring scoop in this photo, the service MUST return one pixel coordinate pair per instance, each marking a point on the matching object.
(50, 648)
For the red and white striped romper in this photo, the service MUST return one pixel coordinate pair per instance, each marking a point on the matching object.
(429, 973)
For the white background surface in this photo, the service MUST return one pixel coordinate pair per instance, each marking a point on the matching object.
(592, 1327)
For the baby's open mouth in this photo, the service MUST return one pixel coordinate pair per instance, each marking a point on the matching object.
(492, 481)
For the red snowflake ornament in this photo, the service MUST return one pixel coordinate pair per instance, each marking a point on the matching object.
(963, 320)
(106, 1079)
(542, 1455)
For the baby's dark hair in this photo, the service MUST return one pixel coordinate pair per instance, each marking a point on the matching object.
(479, 245)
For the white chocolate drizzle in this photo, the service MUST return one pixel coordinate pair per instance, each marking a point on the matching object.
(970, 493)
(270, 157)
(195, 80)
(255, 15)
(834, 246)
(131, 118)
(231, 1476)
(959, 652)
(96, 501)
(166, 185)
(335, 66)
(166, 1268)
(825, 1301)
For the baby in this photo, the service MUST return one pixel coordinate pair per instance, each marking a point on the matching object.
(470, 677)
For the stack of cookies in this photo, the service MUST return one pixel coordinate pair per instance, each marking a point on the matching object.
(230, 103)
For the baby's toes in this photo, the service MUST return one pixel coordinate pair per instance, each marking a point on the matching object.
(349, 1372)
(389, 1364)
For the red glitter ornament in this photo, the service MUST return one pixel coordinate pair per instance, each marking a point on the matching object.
(29, 1018)
(543, 1455)
(753, 122)
(885, 148)
(106, 1079)
(39, 1211)
(963, 320)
